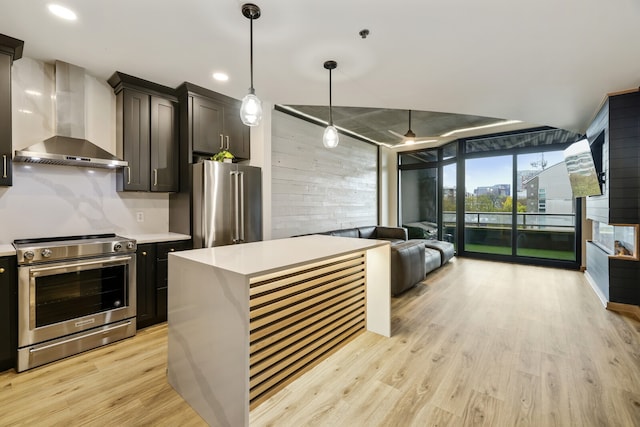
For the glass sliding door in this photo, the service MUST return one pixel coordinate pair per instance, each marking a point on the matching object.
(419, 202)
(488, 205)
(546, 226)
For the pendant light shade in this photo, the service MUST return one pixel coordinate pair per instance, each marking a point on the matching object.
(409, 137)
(330, 139)
(251, 108)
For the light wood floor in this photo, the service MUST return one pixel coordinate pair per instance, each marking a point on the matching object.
(478, 343)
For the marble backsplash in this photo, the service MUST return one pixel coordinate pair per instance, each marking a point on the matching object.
(49, 200)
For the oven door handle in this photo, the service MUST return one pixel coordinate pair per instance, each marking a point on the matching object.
(103, 262)
(99, 332)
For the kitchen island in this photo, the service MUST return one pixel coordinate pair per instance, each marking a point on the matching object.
(245, 320)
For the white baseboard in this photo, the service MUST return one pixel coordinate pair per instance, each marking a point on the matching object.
(596, 289)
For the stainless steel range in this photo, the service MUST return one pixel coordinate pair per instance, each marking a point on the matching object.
(74, 294)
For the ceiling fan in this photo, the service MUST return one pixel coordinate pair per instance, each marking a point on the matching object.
(410, 137)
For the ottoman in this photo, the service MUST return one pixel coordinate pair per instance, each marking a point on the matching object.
(446, 249)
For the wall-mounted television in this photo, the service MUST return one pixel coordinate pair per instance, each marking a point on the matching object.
(584, 177)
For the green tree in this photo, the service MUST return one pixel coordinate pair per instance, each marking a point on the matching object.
(507, 206)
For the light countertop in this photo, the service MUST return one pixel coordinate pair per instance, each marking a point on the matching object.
(257, 258)
(7, 250)
(156, 237)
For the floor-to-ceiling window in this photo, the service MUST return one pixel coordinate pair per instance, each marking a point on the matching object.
(419, 189)
(504, 197)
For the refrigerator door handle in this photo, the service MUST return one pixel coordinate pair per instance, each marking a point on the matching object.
(241, 191)
(236, 202)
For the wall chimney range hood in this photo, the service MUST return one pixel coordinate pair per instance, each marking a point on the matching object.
(69, 147)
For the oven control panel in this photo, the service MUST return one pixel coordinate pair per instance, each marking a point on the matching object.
(34, 252)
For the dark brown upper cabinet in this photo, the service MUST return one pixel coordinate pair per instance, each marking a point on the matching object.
(215, 122)
(10, 50)
(147, 134)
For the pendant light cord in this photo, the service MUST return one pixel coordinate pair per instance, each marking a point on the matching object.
(409, 119)
(251, 52)
(330, 103)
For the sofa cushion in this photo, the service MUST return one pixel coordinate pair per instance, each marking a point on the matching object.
(347, 232)
(389, 233)
(432, 260)
(367, 232)
(407, 265)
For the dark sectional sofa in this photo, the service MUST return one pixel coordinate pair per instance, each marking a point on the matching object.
(411, 260)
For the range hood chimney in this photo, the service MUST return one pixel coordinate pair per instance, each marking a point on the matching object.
(69, 146)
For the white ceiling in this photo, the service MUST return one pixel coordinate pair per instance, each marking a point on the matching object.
(544, 62)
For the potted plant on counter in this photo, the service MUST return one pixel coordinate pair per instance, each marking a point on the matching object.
(223, 156)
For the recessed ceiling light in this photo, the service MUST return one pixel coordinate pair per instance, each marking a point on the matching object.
(221, 77)
(62, 12)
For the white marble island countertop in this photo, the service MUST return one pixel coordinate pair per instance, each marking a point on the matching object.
(257, 258)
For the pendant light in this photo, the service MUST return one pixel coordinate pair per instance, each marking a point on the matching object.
(410, 137)
(330, 138)
(251, 109)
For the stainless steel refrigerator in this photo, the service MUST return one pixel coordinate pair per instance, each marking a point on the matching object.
(227, 204)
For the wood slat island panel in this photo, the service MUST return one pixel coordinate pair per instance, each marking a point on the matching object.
(289, 334)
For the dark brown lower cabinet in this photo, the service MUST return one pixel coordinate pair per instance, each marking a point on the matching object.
(8, 312)
(152, 280)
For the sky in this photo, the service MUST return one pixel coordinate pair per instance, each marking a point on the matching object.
(489, 171)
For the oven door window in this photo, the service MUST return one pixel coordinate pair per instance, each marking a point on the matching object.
(65, 296)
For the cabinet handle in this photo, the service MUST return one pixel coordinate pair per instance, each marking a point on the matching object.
(155, 177)
(227, 142)
(1, 270)
(144, 253)
(128, 175)
(4, 165)
(221, 141)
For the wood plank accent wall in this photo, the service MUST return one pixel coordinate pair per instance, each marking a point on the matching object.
(299, 318)
(315, 189)
(624, 159)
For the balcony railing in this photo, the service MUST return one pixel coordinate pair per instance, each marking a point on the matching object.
(525, 220)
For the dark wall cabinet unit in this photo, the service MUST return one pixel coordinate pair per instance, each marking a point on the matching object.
(151, 280)
(10, 50)
(8, 312)
(614, 135)
(215, 122)
(209, 122)
(147, 134)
